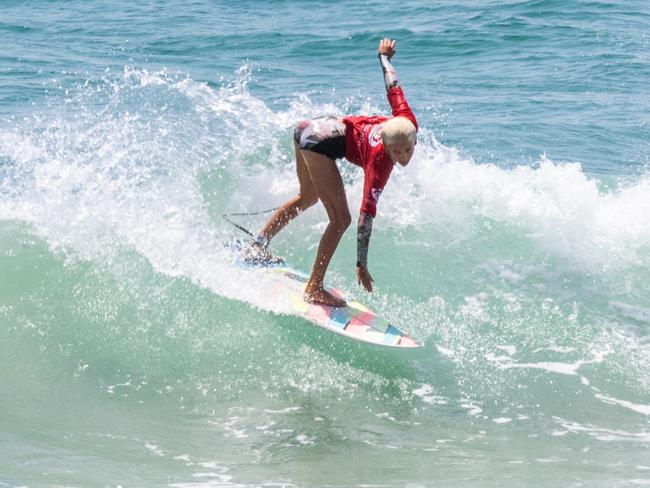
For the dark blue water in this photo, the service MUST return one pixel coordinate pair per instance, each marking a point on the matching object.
(515, 247)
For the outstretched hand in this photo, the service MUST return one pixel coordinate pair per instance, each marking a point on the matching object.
(364, 278)
(387, 47)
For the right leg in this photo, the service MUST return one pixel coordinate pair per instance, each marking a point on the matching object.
(292, 208)
(329, 186)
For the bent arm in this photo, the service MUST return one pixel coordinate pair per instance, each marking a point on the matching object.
(364, 229)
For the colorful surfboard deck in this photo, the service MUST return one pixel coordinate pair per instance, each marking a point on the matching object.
(355, 320)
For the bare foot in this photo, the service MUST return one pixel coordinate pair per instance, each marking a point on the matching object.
(323, 297)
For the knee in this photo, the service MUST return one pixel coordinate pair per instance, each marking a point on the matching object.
(342, 222)
(347, 220)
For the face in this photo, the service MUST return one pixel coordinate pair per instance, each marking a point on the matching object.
(401, 151)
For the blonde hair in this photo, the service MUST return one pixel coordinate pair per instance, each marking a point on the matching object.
(397, 129)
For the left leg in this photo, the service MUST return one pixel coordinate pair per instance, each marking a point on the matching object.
(292, 208)
(328, 131)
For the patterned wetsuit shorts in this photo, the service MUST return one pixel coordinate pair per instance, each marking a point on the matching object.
(323, 135)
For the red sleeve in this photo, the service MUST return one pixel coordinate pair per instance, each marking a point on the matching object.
(400, 106)
(371, 192)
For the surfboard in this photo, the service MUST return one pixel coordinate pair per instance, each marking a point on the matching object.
(355, 320)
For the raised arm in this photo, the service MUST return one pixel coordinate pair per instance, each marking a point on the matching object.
(386, 52)
(398, 103)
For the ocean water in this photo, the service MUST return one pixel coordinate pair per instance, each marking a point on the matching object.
(515, 247)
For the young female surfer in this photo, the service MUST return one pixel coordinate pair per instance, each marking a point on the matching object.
(376, 144)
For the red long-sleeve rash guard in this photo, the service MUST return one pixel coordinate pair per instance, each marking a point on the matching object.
(365, 148)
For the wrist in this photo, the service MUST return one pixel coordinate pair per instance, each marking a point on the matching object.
(362, 265)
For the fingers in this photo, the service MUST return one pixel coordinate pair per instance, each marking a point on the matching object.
(368, 284)
(387, 43)
(366, 281)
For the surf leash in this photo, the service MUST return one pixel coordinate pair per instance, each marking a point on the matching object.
(246, 214)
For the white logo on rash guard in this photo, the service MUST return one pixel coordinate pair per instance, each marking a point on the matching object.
(376, 193)
(374, 136)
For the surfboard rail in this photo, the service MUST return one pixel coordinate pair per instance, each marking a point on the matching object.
(355, 320)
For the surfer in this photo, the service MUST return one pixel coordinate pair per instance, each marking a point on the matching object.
(375, 143)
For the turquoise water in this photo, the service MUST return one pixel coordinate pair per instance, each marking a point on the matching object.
(515, 247)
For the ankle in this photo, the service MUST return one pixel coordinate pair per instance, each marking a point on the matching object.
(313, 286)
(262, 241)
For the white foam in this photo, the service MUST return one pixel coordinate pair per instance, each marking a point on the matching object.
(635, 407)
(425, 391)
(472, 407)
(510, 350)
(98, 182)
(604, 434)
(282, 410)
(565, 210)
(111, 181)
(305, 440)
(569, 369)
(502, 420)
(154, 449)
